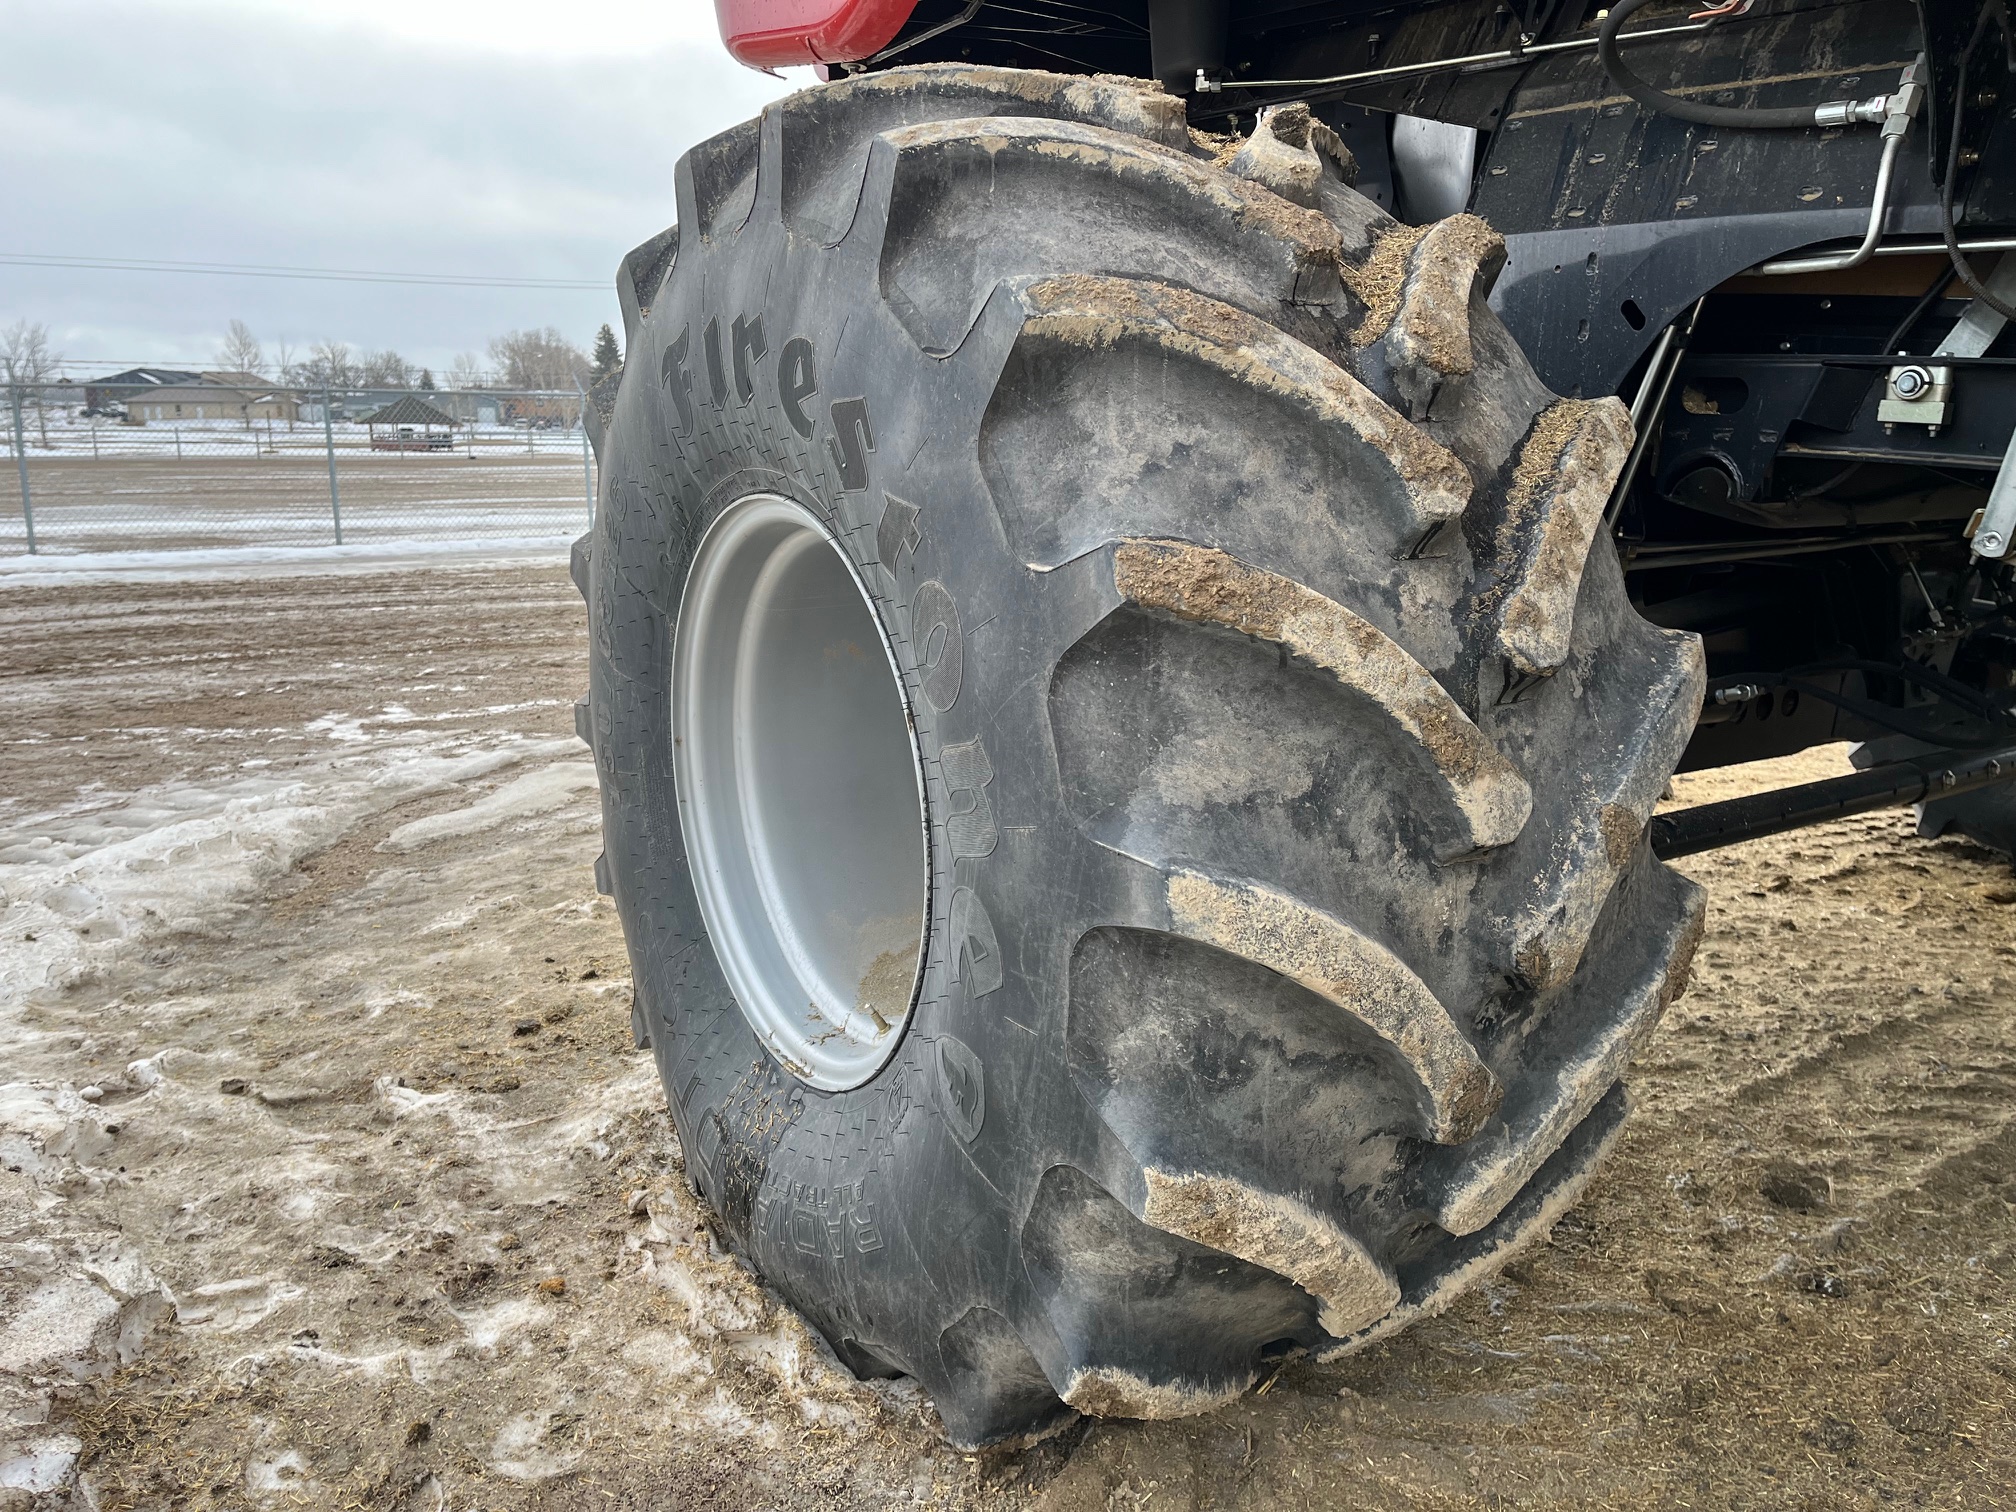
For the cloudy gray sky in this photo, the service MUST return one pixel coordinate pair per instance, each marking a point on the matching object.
(482, 137)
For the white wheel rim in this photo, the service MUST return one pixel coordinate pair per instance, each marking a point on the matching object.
(800, 791)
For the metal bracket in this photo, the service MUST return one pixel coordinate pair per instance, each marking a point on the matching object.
(1920, 393)
(1916, 395)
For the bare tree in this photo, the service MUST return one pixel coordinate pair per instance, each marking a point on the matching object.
(386, 369)
(283, 367)
(465, 372)
(327, 365)
(539, 360)
(27, 362)
(241, 352)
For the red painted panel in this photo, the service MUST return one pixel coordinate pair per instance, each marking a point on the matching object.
(785, 33)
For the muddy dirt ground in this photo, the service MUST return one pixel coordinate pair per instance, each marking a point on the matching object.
(331, 1178)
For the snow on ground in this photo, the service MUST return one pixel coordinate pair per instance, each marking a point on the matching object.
(80, 889)
(76, 887)
(76, 435)
(57, 564)
(319, 1109)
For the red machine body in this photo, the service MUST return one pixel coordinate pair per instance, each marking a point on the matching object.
(788, 33)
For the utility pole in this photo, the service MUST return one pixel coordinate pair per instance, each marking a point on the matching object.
(329, 445)
(21, 462)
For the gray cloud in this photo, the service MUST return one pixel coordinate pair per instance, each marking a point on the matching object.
(249, 136)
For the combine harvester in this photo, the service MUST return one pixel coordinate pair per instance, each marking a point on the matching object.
(1154, 560)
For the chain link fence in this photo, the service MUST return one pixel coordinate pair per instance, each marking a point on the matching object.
(207, 466)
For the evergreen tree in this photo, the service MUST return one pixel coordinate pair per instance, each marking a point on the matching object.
(426, 380)
(608, 357)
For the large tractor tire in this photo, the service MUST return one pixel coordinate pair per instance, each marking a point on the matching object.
(1123, 776)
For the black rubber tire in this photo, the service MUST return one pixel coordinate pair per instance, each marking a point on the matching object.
(1289, 751)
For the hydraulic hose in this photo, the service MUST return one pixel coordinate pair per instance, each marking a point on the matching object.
(1791, 117)
(1997, 14)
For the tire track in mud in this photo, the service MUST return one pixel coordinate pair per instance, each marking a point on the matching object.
(1878, 1087)
(118, 685)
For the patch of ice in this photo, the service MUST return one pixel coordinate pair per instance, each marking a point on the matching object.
(286, 1471)
(41, 1465)
(184, 857)
(723, 1415)
(25, 571)
(56, 1326)
(45, 1128)
(489, 1326)
(234, 1306)
(710, 1309)
(71, 1310)
(673, 1356)
(537, 792)
(534, 1446)
(528, 1160)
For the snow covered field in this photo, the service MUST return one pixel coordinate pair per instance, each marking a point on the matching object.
(73, 435)
(111, 487)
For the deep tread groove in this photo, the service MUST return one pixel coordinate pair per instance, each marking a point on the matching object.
(1430, 1286)
(1450, 271)
(822, 137)
(1560, 486)
(983, 187)
(1360, 976)
(1088, 1257)
(639, 277)
(1278, 1232)
(1074, 331)
(720, 175)
(1572, 1060)
(1198, 583)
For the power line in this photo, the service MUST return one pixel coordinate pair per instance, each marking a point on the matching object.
(195, 365)
(279, 270)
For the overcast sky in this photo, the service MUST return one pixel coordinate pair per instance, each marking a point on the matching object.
(485, 137)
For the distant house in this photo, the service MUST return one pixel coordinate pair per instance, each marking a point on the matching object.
(470, 406)
(118, 388)
(539, 409)
(209, 396)
(345, 404)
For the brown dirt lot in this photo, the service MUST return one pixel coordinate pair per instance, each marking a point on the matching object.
(367, 1107)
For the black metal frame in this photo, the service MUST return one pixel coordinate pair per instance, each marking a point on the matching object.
(1709, 826)
(1772, 511)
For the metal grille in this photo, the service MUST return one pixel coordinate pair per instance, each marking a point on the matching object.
(162, 470)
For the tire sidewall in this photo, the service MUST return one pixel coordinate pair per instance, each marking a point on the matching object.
(846, 1201)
